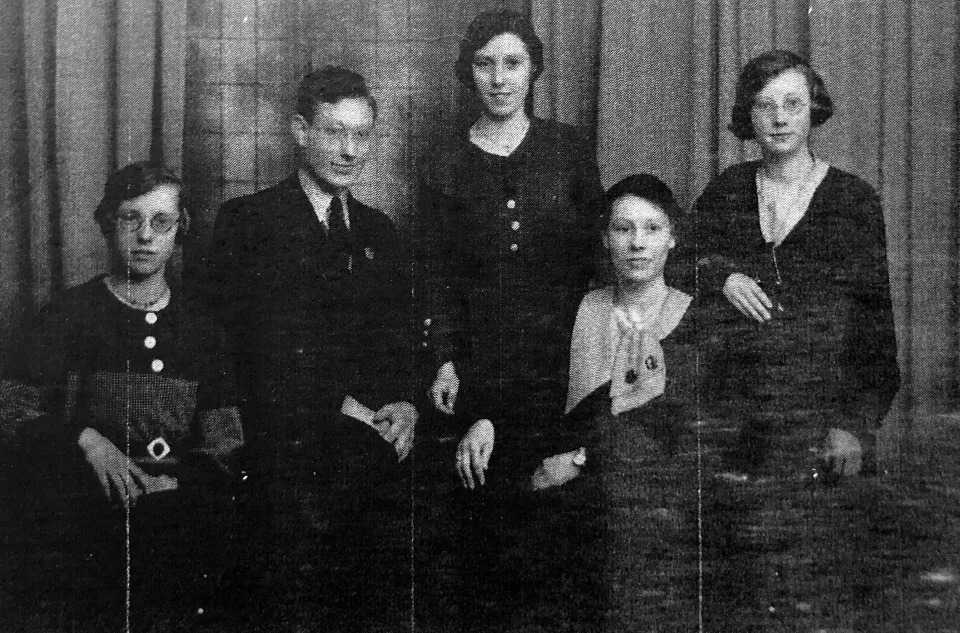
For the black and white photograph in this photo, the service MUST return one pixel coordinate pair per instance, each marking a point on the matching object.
(506, 316)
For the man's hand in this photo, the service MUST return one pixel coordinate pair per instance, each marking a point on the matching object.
(396, 422)
(841, 453)
(473, 454)
(747, 297)
(445, 387)
(559, 469)
(120, 479)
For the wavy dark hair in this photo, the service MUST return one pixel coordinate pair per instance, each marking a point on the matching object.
(758, 72)
(331, 84)
(487, 26)
(133, 181)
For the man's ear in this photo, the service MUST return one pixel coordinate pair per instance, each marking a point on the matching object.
(298, 127)
(606, 240)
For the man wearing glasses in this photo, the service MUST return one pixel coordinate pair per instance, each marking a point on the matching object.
(308, 282)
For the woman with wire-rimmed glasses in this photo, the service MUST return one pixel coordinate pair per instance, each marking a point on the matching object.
(139, 387)
(791, 252)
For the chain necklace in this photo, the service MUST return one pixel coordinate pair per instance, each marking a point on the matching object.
(158, 303)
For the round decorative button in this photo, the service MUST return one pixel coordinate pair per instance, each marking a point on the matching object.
(424, 344)
(511, 204)
(515, 225)
(651, 363)
(428, 322)
(150, 342)
(426, 332)
(514, 247)
(156, 365)
(631, 377)
(151, 317)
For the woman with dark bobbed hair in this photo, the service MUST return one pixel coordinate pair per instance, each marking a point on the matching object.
(507, 209)
(619, 495)
(506, 217)
(144, 416)
(791, 254)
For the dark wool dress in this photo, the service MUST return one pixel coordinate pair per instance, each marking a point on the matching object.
(134, 376)
(828, 359)
(507, 245)
(623, 552)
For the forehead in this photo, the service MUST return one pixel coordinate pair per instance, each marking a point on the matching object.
(503, 45)
(631, 208)
(789, 81)
(352, 112)
(162, 199)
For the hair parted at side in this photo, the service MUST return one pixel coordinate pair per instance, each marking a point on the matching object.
(758, 72)
(487, 26)
(646, 187)
(133, 181)
(331, 84)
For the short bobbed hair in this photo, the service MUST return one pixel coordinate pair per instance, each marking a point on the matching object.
(133, 181)
(487, 26)
(646, 187)
(758, 72)
(331, 84)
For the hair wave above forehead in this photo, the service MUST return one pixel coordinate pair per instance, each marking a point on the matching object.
(331, 84)
(487, 26)
(132, 181)
(646, 187)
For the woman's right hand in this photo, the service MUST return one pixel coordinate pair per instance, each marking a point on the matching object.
(445, 387)
(748, 297)
(120, 479)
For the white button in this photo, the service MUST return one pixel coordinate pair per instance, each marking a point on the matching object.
(149, 342)
(424, 343)
(514, 247)
(427, 322)
(151, 317)
(511, 204)
(156, 365)
(426, 332)
(515, 225)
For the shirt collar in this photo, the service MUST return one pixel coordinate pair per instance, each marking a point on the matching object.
(320, 199)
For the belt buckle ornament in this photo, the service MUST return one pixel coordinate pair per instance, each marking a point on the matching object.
(158, 448)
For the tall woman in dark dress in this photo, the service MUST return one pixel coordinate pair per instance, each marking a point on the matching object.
(506, 234)
(507, 210)
(791, 254)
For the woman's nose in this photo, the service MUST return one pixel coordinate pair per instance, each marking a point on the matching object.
(145, 233)
(496, 75)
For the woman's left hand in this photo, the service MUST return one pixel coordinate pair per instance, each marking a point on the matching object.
(473, 454)
(559, 469)
(841, 453)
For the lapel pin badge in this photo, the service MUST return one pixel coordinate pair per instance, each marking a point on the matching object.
(368, 252)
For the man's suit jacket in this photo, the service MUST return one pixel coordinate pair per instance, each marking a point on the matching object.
(309, 324)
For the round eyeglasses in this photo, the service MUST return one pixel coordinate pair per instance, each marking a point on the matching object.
(132, 221)
(791, 105)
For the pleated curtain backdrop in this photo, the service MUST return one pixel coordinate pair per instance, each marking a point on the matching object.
(88, 85)
(661, 99)
(206, 85)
